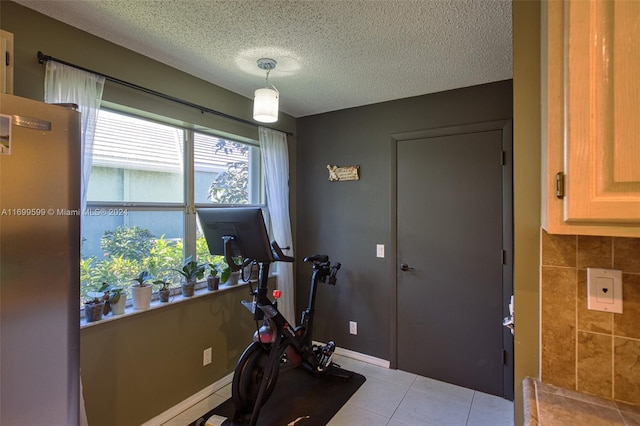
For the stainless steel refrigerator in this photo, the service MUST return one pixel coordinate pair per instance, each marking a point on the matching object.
(39, 262)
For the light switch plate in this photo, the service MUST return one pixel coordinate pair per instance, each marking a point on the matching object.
(604, 290)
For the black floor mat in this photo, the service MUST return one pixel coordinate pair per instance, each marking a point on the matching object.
(299, 397)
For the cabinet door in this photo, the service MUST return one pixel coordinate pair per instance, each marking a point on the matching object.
(592, 97)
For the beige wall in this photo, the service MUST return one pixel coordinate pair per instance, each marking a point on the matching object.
(590, 351)
(526, 192)
(136, 367)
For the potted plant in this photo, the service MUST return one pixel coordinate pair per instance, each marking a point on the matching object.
(114, 300)
(165, 290)
(230, 276)
(93, 309)
(141, 291)
(213, 280)
(191, 271)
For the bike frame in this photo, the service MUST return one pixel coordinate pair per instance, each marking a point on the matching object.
(283, 335)
(265, 308)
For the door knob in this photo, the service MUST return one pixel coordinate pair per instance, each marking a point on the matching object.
(405, 267)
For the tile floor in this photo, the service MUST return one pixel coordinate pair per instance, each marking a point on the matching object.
(396, 398)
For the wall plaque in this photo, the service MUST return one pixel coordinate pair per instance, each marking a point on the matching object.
(343, 173)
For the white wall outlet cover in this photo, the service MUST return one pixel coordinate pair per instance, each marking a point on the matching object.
(206, 357)
(604, 290)
(380, 250)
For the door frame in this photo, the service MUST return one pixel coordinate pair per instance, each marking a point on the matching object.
(506, 126)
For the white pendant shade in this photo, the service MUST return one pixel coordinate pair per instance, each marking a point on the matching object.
(265, 105)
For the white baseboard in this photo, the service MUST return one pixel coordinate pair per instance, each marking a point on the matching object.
(359, 356)
(189, 402)
(363, 357)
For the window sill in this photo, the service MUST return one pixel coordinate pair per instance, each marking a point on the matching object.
(156, 304)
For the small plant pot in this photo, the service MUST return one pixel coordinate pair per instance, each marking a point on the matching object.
(117, 308)
(213, 283)
(93, 311)
(188, 289)
(141, 297)
(164, 295)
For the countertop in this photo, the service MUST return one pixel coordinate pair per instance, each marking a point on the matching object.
(548, 405)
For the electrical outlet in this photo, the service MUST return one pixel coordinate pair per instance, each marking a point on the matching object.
(206, 357)
(379, 250)
(353, 327)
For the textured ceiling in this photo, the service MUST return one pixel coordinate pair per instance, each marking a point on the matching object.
(331, 54)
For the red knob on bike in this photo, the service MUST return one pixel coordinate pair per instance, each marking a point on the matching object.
(277, 294)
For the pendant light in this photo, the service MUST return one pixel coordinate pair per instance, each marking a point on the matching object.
(265, 102)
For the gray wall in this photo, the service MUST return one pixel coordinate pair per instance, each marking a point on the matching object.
(347, 219)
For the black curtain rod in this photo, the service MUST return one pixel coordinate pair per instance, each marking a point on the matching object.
(42, 58)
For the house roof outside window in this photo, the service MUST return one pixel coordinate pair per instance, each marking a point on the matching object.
(126, 142)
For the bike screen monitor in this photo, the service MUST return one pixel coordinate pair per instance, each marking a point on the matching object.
(243, 226)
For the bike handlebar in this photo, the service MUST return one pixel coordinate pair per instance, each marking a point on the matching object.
(278, 255)
(334, 271)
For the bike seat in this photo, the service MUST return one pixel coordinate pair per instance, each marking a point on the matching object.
(317, 258)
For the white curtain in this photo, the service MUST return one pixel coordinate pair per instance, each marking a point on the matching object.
(65, 84)
(275, 160)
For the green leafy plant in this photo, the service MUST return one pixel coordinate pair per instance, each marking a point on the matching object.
(165, 254)
(112, 293)
(191, 270)
(213, 269)
(129, 243)
(227, 271)
(232, 186)
(225, 275)
(142, 278)
(164, 283)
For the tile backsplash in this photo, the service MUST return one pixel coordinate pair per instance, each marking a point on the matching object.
(590, 351)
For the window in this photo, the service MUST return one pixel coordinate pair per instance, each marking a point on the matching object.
(146, 180)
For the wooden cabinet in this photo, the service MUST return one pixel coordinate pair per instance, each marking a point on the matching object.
(591, 117)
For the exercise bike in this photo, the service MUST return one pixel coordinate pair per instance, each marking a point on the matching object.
(277, 344)
(240, 233)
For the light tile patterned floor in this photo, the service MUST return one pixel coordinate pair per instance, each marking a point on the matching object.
(396, 398)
